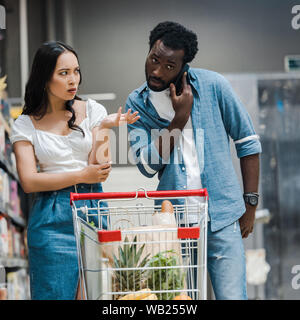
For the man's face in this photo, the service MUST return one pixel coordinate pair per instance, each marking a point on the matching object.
(163, 64)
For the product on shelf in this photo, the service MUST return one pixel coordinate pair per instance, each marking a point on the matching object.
(18, 243)
(9, 197)
(4, 104)
(13, 164)
(2, 136)
(14, 197)
(2, 173)
(11, 240)
(4, 188)
(8, 150)
(3, 85)
(18, 285)
(3, 291)
(3, 237)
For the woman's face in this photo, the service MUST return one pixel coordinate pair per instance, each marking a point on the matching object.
(66, 77)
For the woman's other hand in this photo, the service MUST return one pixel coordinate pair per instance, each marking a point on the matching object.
(95, 173)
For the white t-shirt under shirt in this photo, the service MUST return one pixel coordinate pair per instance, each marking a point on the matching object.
(163, 105)
(60, 153)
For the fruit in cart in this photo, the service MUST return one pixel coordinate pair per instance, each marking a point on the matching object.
(152, 296)
(168, 278)
(139, 295)
(182, 297)
(130, 273)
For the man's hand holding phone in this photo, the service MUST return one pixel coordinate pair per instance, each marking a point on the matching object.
(183, 103)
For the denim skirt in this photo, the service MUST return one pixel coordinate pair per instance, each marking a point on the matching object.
(52, 253)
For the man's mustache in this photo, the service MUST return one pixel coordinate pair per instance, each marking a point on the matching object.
(156, 79)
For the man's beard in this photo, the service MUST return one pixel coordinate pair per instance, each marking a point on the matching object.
(164, 85)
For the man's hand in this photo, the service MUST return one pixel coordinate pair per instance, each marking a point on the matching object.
(250, 174)
(247, 221)
(183, 103)
(182, 106)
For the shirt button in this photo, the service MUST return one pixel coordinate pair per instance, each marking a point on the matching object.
(184, 187)
(183, 168)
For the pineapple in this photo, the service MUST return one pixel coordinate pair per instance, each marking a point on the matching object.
(129, 257)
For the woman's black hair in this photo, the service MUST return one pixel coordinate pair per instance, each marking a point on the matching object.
(176, 37)
(43, 66)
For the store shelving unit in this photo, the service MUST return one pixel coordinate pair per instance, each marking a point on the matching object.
(14, 259)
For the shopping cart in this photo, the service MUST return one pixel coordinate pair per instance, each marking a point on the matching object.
(144, 253)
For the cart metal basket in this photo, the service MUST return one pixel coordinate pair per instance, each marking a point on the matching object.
(135, 251)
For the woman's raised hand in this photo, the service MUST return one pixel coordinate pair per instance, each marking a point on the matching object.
(119, 118)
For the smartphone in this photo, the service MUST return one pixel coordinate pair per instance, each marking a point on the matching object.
(178, 81)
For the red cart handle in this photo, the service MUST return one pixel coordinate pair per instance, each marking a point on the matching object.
(138, 194)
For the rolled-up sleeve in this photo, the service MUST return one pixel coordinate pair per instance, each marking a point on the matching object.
(237, 121)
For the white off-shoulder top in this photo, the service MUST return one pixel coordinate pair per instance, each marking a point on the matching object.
(60, 153)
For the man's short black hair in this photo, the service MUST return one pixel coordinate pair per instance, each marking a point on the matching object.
(176, 37)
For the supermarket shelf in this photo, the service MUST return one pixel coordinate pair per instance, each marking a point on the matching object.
(5, 208)
(8, 168)
(13, 262)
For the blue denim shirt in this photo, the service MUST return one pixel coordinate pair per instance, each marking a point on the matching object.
(217, 114)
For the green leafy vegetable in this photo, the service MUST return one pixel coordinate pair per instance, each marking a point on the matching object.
(165, 278)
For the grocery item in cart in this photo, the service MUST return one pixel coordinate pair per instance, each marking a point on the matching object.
(166, 216)
(165, 275)
(182, 297)
(144, 294)
(129, 257)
